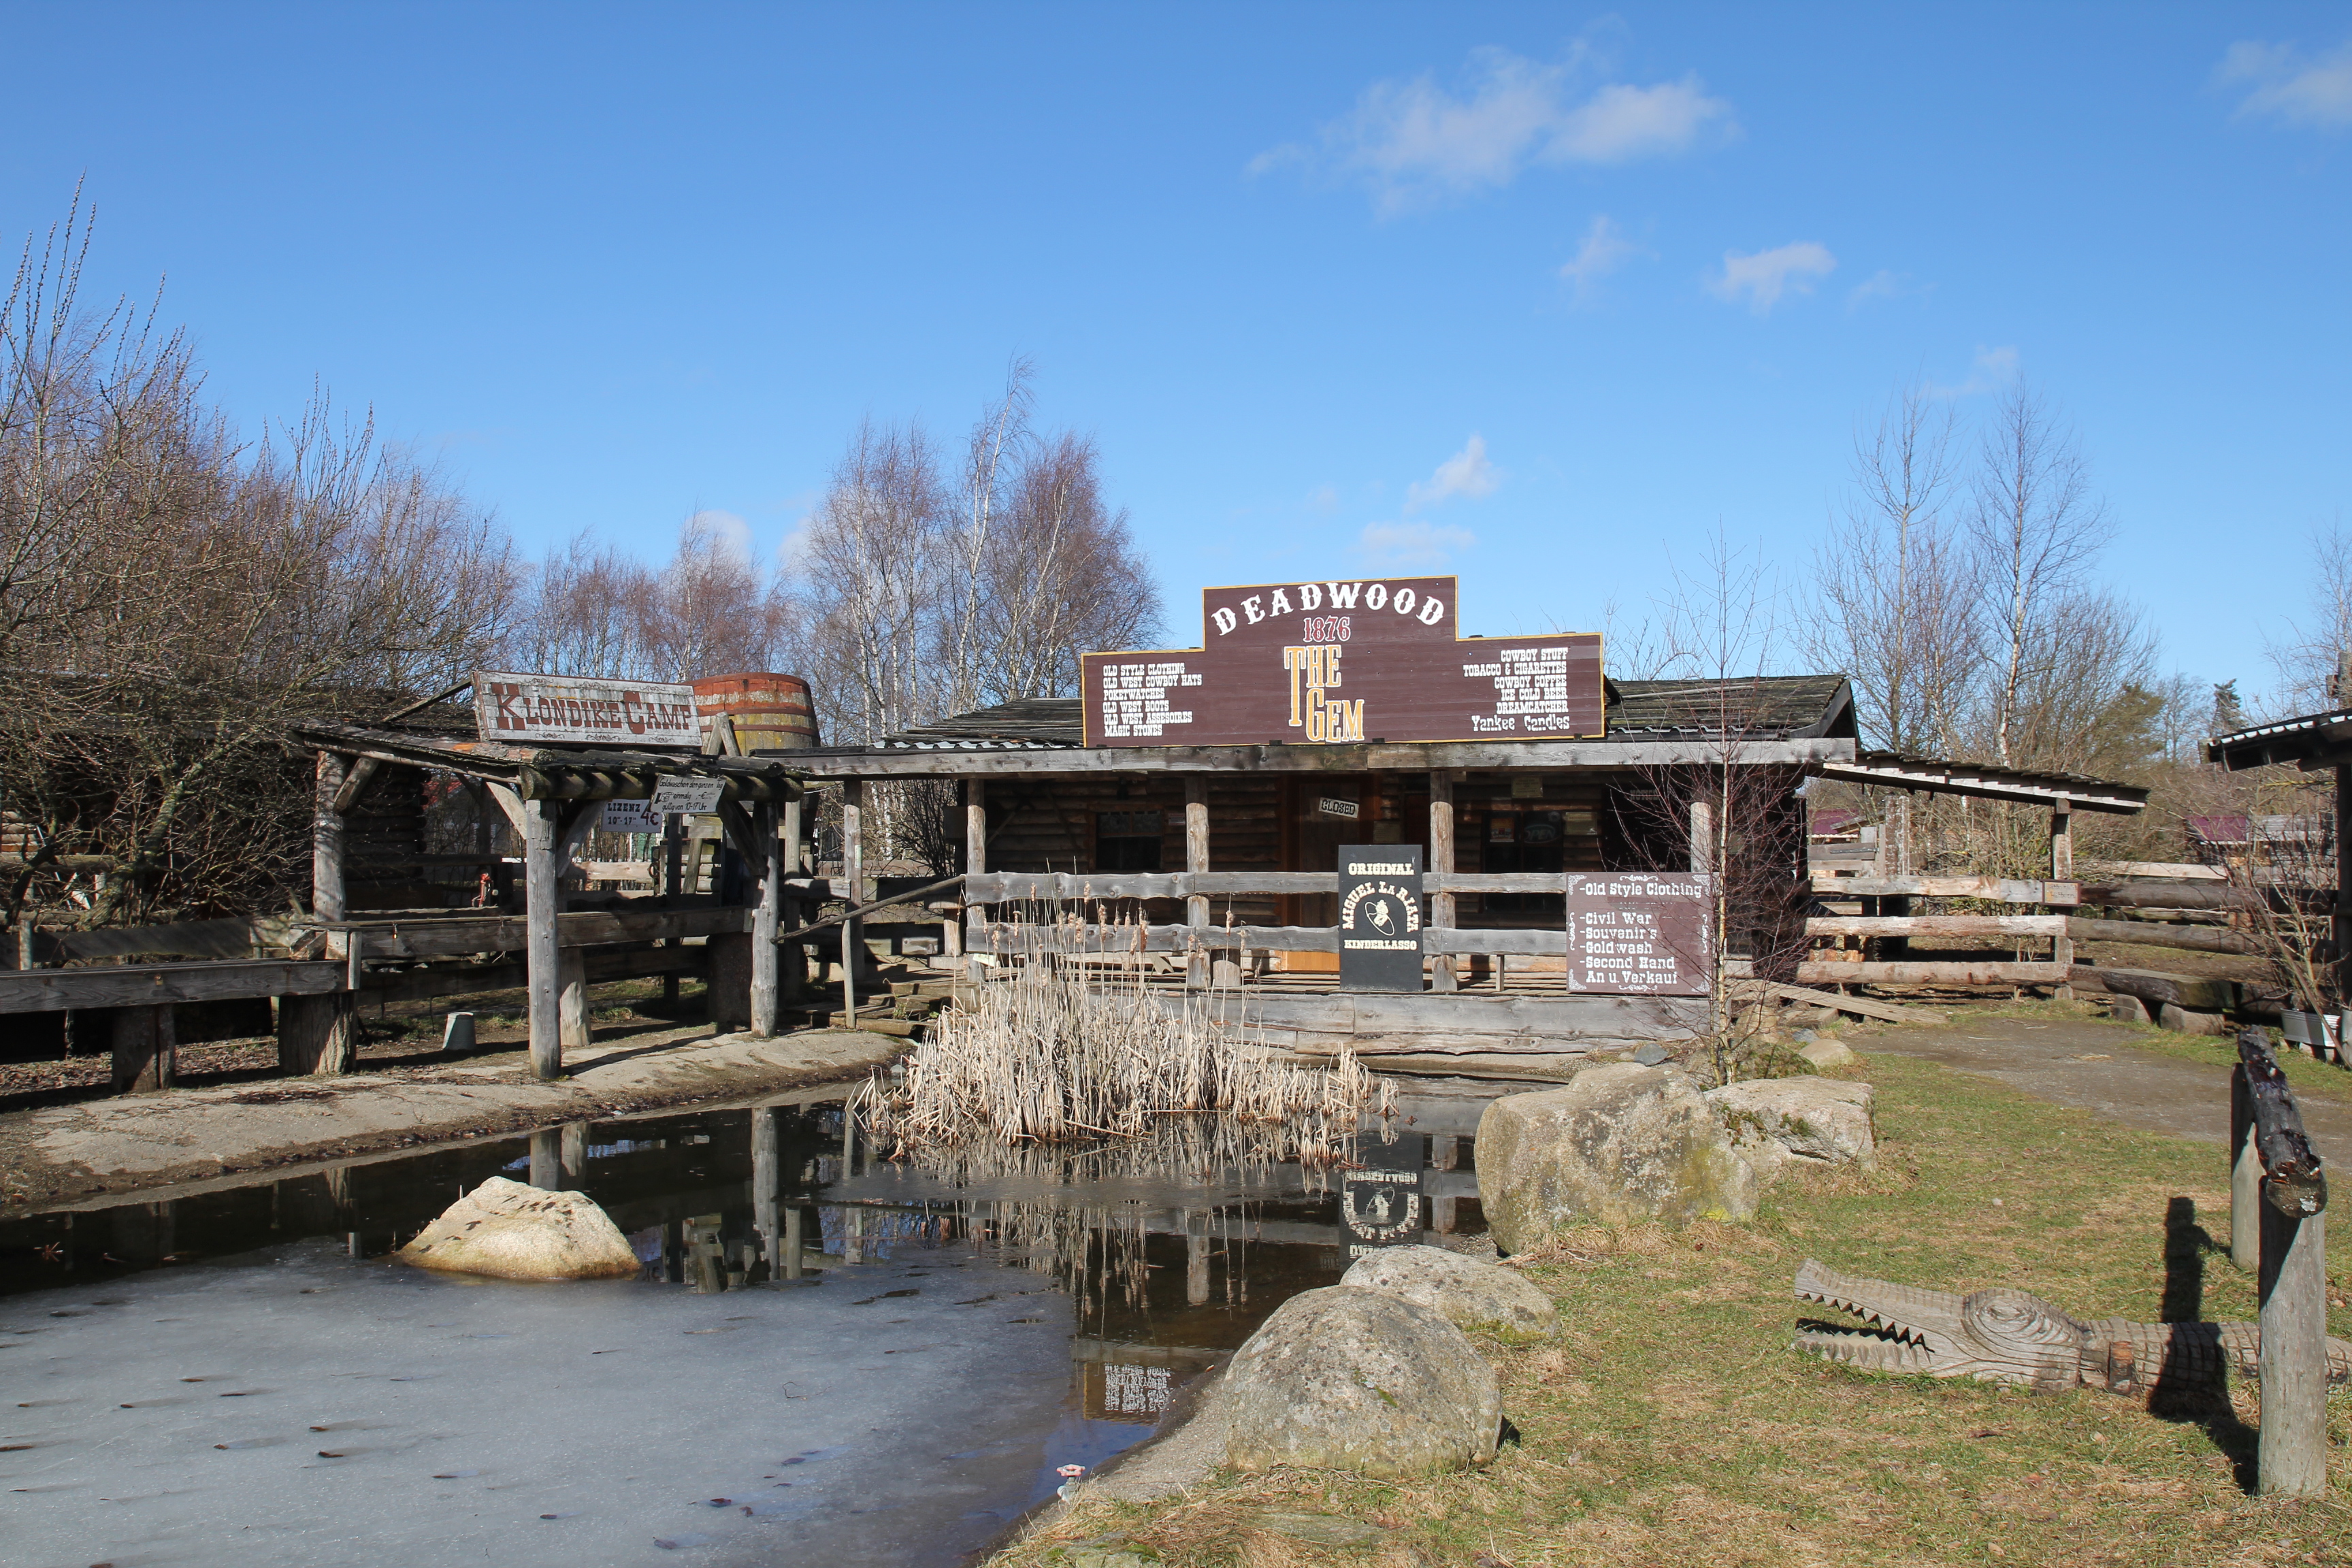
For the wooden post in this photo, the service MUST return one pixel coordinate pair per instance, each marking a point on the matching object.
(853, 871)
(2290, 1456)
(547, 1159)
(539, 950)
(1445, 1154)
(2340, 927)
(1702, 838)
(572, 996)
(1442, 976)
(1898, 818)
(792, 1265)
(1196, 1257)
(317, 1035)
(766, 1174)
(1196, 861)
(2062, 867)
(769, 871)
(2245, 1177)
(575, 1153)
(327, 842)
(792, 967)
(146, 1054)
(975, 857)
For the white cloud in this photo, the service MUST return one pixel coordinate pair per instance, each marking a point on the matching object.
(1994, 368)
(1324, 498)
(1765, 276)
(1412, 141)
(2286, 86)
(1883, 285)
(731, 532)
(1466, 473)
(1604, 249)
(1400, 546)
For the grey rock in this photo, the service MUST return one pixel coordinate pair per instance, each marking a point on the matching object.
(1460, 1290)
(1361, 1380)
(1650, 1055)
(1616, 1145)
(1827, 1051)
(511, 1231)
(1779, 1121)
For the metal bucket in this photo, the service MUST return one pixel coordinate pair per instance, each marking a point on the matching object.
(772, 712)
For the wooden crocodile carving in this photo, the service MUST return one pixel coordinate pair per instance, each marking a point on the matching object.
(2006, 1336)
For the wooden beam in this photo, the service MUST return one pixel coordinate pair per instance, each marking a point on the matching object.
(1937, 925)
(2195, 895)
(159, 985)
(347, 794)
(430, 938)
(146, 1051)
(1013, 937)
(511, 803)
(1988, 784)
(2005, 973)
(1998, 889)
(1859, 1006)
(2156, 933)
(1550, 755)
(2193, 993)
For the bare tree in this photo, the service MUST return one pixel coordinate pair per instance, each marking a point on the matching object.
(1064, 578)
(2036, 527)
(998, 440)
(2314, 657)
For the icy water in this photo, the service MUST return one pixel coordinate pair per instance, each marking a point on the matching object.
(825, 1359)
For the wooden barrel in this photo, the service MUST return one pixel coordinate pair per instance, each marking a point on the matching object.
(772, 712)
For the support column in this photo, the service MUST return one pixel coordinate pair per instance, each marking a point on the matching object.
(146, 1051)
(769, 871)
(793, 970)
(540, 902)
(1442, 974)
(766, 1176)
(574, 1154)
(1702, 837)
(1196, 1257)
(1196, 862)
(547, 1159)
(2062, 867)
(572, 996)
(853, 871)
(2340, 928)
(2290, 1456)
(975, 857)
(327, 842)
(317, 1035)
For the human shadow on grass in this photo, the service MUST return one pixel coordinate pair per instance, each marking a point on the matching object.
(2182, 1393)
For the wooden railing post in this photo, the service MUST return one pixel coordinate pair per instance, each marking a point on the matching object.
(326, 901)
(1442, 974)
(1196, 860)
(976, 860)
(765, 913)
(542, 955)
(2061, 869)
(792, 965)
(853, 871)
(2291, 1454)
(2245, 1177)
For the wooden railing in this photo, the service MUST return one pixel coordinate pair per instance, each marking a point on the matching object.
(2278, 1201)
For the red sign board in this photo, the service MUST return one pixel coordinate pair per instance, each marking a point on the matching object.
(1344, 661)
(1640, 933)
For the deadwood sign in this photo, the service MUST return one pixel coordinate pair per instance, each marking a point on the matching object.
(1640, 933)
(1334, 663)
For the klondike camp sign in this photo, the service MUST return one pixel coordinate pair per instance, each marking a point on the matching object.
(1341, 662)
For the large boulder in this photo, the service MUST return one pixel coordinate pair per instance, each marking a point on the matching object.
(1462, 1290)
(1616, 1145)
(1779, 1122)
(511, 1231)
(1359, 1380)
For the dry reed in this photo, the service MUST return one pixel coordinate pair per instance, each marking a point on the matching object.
(1072, 1046)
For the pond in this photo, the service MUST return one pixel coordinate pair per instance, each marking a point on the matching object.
(825, 1359)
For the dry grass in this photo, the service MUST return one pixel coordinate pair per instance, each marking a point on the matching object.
(1669, 1424)
(1059, 1052)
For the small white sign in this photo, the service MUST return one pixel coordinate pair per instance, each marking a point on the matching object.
(630, 817)
(673, 794)
(1330, 808)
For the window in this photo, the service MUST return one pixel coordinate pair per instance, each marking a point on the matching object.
(1128, 840)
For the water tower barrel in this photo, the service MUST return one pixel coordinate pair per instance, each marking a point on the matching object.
(772, 712)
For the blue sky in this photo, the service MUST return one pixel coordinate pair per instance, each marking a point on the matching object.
(1536, 294)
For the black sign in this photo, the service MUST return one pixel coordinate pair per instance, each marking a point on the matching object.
(1640, 933)
(1380, 1202)
(1379, 917)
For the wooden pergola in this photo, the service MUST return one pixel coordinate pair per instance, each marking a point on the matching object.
(551, 796)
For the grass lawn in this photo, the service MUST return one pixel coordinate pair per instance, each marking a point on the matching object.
(1670, 1424)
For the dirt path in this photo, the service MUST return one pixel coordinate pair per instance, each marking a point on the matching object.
(135, 1142)
(2103, 1068)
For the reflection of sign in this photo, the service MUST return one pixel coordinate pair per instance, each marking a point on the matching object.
(1380, 1204)
(1343, 662)
(574, 709)
(1379, 917)
(1133, 1390)
(1639, 932)
(630, 817)
(673, 794)
(1330, 808)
